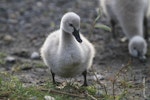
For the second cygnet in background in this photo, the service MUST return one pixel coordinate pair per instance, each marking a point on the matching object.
(132, 16)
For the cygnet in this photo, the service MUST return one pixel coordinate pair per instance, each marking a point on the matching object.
(66, 51)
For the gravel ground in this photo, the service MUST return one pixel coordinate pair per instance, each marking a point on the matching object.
(24, 25)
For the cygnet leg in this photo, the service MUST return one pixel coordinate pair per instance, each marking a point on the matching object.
(113, 24)
(146, 28)
(85, 80)
(53, 77)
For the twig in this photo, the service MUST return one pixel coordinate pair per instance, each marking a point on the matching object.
(99, 81)
(94, 22)
(92, 97)
(122, 69)
(92, 31)
(117, 76)
(144, 88)
(113, 89)
(60, 92)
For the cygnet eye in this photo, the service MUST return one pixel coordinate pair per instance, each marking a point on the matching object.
(71, 25)
(134, 48)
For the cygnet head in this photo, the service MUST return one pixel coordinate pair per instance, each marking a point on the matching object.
(70, 23)
(138, 47)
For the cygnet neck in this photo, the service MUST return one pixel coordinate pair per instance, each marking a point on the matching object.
(66, 38)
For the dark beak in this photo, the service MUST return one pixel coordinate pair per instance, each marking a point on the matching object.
(77, 35)
(142, 58)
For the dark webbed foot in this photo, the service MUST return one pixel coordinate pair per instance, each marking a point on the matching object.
(85, 80)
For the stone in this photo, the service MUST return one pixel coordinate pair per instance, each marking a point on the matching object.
(10, 59)
(100, 77)
(49, 98)
(8, 38)
(35, 55)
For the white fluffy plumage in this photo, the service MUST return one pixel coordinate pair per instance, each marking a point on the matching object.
(66, 54)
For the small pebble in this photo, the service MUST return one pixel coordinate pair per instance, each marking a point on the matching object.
(8, 38)
(100, 77)
(10, 59)
(124, 39)
(49, 98)
(39, 4)
(35, 55)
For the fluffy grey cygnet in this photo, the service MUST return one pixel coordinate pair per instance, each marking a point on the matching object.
(66, 51)
(138, 47)
(132, 16)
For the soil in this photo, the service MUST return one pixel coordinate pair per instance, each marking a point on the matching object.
(24, 25)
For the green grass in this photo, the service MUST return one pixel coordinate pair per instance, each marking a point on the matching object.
(12, 88)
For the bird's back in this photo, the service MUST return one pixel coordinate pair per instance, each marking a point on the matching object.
(130, 15)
